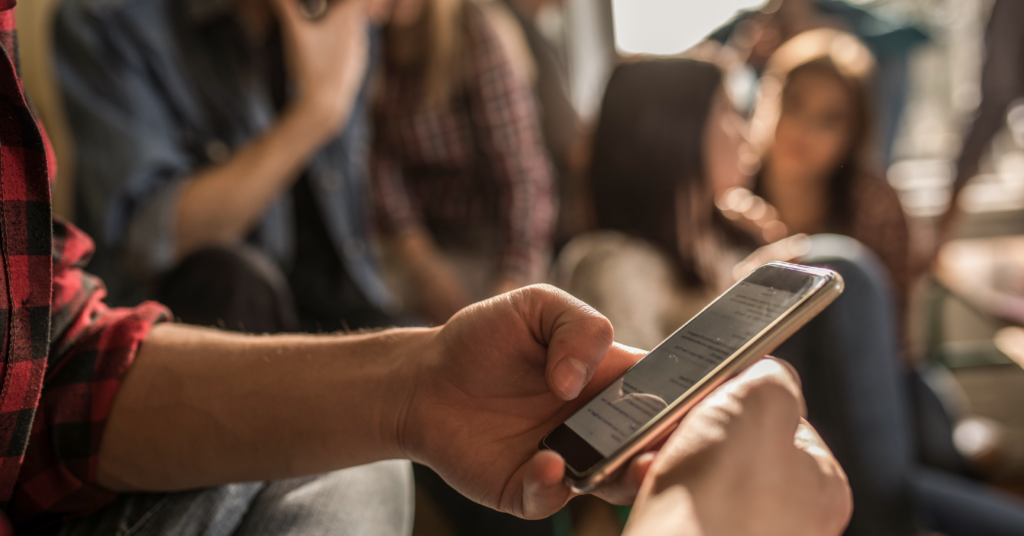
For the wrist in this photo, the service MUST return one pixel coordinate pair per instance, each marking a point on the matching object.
(407, 391)
(317, 118)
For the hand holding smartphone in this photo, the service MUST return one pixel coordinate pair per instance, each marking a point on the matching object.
(644, 404)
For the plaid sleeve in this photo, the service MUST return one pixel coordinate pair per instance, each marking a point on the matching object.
(91, 350)
(508, 129)
(395, 210)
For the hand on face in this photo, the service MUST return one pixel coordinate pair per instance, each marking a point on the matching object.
(500, 375)
(326, 58)
(744, 462)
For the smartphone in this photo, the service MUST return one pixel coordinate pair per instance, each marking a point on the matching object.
(645, 403)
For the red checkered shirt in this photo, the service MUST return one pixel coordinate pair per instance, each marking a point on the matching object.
(480, 161)
(63, 351)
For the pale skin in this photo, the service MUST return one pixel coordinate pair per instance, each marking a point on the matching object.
(471, 400)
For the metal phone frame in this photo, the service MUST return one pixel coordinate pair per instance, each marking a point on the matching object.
(760, 345)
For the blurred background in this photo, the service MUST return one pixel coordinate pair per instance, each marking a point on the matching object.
(956, 169)
(944, 75)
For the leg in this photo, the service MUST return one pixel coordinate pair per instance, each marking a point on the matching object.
(848, 358)
(957, 506)
(236, 288)
(468, 518)
(370, 499)
(208, 512)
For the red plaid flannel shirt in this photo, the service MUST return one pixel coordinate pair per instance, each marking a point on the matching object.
(479, 161)
(63, 351)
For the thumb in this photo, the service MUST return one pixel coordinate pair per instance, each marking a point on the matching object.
(544, 491)
(577, 337)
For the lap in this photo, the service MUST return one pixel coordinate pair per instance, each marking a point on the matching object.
(370, 499)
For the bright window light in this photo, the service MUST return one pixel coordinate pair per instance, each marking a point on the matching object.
(670, 26)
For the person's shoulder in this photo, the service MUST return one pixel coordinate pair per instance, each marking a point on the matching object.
(497, 19)
(478, 22)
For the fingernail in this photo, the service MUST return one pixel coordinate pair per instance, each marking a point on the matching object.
(570, 374)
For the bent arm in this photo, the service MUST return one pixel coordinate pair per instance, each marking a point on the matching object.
(201, 407)
(220, 204)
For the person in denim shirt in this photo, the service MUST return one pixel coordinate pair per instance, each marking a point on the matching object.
(222, 157)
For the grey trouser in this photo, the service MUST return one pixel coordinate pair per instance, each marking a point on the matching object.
(372, 499)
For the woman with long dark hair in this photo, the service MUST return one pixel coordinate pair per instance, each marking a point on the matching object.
(814, 127)
(667, 145)
(668, 142)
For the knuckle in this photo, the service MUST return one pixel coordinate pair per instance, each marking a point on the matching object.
(787, 369)
(543, 291)
(603, 330)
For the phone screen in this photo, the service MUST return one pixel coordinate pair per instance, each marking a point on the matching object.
(619, 413)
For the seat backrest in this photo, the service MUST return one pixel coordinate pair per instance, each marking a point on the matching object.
(35, 24)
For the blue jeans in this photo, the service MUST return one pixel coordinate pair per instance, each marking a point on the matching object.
(372, 499)
(848, 358)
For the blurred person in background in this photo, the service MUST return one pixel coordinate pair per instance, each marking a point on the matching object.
(668, 142)
(757, 34)
(559, 120)
(657, 121)
(814, 130)
(115, 421)
(223, 157)
(463, 181)
(1002, 82)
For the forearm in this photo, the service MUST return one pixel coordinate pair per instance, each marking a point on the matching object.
(220, 204)
(201, 407)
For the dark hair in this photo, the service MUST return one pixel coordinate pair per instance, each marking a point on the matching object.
(649, 148)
